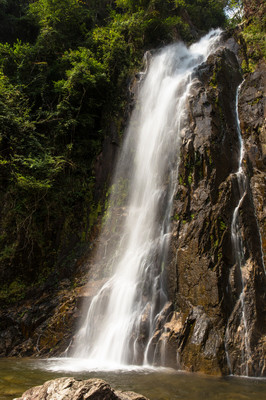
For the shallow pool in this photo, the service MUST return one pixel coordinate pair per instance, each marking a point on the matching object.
(17, 375)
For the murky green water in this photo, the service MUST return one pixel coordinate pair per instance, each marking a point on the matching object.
(18, 375)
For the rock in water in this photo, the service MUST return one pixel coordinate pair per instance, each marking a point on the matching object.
(73, 389)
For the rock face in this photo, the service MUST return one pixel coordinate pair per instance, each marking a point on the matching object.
(40, 324)
(72, 389)
(252, 121)
(211, 328)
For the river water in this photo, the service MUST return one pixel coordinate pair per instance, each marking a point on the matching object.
(18, 375)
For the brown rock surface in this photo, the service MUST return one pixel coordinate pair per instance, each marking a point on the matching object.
(72, 389)
(204, 281)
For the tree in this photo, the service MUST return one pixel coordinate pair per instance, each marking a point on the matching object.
(65, 21)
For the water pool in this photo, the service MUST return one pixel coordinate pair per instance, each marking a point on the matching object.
(17, 375)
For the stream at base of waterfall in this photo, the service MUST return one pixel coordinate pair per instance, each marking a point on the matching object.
(18, 375)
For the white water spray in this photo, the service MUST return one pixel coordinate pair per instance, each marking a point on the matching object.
(119, 326)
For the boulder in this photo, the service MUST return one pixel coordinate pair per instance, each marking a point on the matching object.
(73, 389)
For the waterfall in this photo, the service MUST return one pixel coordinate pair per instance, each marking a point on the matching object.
(238, 243)
(238, 248)
(119, 326)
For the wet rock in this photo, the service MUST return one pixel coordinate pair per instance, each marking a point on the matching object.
(253, 127)
(10, 334)
(201, 328)
(252, 116)
(72, 389)
(41, 325)
(204, 281)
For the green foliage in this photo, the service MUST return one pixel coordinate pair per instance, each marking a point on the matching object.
(63, 20)
(213, 80)
(222, 225)
(111, 49)
(165, 20)
(14, 21)
(234, 10)
(13, 292)
(251, 13)
(254, 35)
(206, 13)
(133, 5)
(64, 68)
(81, 95)
(176, 217)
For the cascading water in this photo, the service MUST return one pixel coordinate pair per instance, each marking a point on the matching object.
(238, 247)
(120, 323)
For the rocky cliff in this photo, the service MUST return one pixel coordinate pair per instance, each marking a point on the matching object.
(211, 328)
